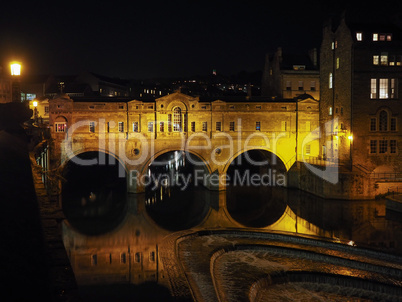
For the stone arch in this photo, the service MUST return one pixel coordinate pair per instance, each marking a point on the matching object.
(240, 152)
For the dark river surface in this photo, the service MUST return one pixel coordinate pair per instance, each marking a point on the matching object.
(102, 216)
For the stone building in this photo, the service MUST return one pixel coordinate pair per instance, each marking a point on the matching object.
(360, 79)
(287, 76)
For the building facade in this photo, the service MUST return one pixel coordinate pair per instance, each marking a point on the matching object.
(361, 73)
(287, 76)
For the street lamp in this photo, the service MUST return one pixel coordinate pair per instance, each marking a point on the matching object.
(15, 68)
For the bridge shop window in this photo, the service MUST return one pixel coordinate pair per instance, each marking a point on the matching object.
(135, 127)
(169, 122)
(205, 126)
(218, 126)
(60, 127)
(258, 126)
(177, 126)
(92, 127)
(121, 126)
(162, 126)
(231, 126)
(193, 126)
(150, 126)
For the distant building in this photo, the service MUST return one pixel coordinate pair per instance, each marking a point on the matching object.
(287, 76)
(360, 79)
(5, 88)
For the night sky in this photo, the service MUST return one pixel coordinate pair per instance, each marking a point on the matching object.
(159, 39)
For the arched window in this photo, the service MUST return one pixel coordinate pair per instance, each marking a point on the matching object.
(383, 122)
(177, 119)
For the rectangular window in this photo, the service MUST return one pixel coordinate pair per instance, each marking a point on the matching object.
(218, 126)
(152, 256)
(330, 80)
(92, 127)
(137, 257)
(231, 126)
(121, 126)
(308, 149)
(383, 144)
(94, 259)
(123, 258)
(392, 146)
(312, 85)
(373, 124)
(376, 60)
(288, 85)
(162, 126)
(330, 111)
(205, 126)
(135, 127)
(258, 126)
(373, 89)
(359, 36)
(375, 37)
(283, 125)
(150, 126)
(392, 89)
(60, 127)
(384, 59)
(46, 109)
(170, 122)
(301, 85)
(373, 146)
(337, 63)
(193, 126)
(383, 89)
(393, 124)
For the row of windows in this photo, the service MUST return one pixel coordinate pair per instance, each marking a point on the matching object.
(62, 126)
(123, 258)
(384, 59)
(300, 85)
(383, 146)
(383, 123)
(375, 37)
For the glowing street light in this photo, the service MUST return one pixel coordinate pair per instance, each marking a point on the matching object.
(15, 68)
(350, 137)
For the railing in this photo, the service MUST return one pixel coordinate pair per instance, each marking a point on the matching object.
(387, 176)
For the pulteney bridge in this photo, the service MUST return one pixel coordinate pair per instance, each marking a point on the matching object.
(213, 134)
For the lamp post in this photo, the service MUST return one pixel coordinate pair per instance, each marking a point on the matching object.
(15, 68)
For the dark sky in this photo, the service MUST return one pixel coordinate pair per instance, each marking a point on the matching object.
(156, 39)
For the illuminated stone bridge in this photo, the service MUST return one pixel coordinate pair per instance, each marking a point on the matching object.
(212, 134)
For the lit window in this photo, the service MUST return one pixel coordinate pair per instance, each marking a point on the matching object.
(330, 80)
(383, 91)
(373, 124)
(376, 60)
(60, 127)
(389, 37)
(135, 127)
(169, 122)
(330, 111)
(337, 63)
(121, 126)
(375, 37)
(92, 127)
(231, 126)
(383, 124)
(205, 126)
(161, 126)
(373, 91)
(177, 119)
(382, 37)
(383, 146)
(392, 146)
(150, 126)
(218, 126)
(392, 89)
(333, 45)
(359, 36)
(373, 146)
(384, 59)
(258, 126)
